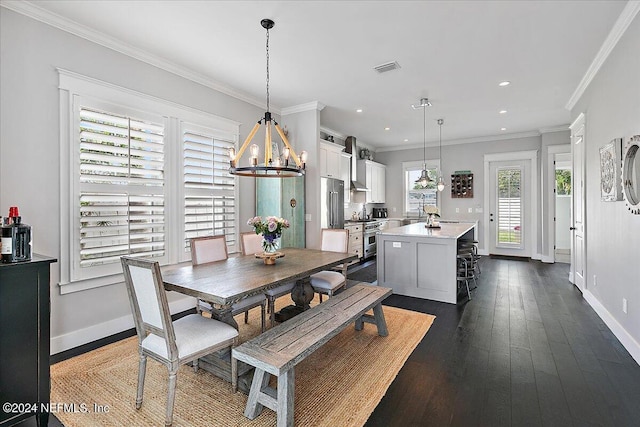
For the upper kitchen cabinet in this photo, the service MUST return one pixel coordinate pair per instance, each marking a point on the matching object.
(345, 175)
(374, 176)
(330, 160)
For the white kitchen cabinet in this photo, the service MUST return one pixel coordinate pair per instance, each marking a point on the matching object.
(374, 176)
(330, 160)
(345, 174)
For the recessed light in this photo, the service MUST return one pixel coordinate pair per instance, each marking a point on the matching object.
(503, 111)
(504, 83)
(503, 128)
(406, 140)
(387, 128)
(359, 110)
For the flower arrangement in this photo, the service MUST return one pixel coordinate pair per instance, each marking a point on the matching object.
(271, 229)
(432, 212)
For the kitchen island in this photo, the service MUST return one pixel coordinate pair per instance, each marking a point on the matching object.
(421, 262)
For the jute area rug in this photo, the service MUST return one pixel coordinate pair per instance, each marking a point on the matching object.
(340, 384)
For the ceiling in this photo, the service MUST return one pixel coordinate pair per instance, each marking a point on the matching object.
(453, 52)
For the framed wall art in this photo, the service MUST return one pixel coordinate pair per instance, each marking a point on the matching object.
(610, 171)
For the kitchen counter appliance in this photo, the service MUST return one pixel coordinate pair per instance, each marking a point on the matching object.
(380, 213)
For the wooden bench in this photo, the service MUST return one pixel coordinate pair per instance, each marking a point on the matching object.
(278, 350)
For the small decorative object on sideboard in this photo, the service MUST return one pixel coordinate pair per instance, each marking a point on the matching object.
(462, 185)
(15, 240)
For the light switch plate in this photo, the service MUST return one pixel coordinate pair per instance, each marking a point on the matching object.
(397, 244)
(470, 210)
(457, 210)
(307, 217)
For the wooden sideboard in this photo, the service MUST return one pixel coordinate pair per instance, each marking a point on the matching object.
(24, 340)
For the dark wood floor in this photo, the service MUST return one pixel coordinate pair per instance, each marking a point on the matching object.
(526, 350)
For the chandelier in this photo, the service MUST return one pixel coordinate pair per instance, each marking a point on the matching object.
(424, 179)
(440, 181)
(288, 164)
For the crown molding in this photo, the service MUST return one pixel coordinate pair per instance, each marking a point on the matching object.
(309, 106)
(552, 129)
(489, 138)
(335, 133)
(622, 23)
(33, 11)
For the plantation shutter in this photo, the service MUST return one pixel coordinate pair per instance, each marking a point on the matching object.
(209, 189)
(121, 194)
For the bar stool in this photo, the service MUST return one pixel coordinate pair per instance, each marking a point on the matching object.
(465, 272)
(470, 247)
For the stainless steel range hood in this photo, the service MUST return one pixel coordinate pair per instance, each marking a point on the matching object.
(351, 147)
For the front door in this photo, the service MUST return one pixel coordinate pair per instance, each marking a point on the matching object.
(578, 249)
(509, 229)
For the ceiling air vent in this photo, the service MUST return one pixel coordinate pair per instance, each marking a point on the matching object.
(389, 66)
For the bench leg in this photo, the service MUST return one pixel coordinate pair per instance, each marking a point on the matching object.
(359, 323)
(381, 323)
(260, 381)
(286, 391)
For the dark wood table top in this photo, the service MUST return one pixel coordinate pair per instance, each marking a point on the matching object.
(228, 281)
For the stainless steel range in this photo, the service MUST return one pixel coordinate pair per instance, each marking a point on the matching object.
(369, 238)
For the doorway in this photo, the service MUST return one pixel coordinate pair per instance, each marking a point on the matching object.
(509, 223)
(562, 243)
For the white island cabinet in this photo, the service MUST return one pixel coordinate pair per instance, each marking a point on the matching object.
(421, 262)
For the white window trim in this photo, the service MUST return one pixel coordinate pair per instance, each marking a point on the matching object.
(72, 85)
(413, 165)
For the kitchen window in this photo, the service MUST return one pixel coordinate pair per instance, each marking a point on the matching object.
(132, 165)
(416, 197)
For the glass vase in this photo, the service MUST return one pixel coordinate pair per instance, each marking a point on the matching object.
(270, 243)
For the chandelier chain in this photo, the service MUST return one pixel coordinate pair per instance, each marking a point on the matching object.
(267, 69)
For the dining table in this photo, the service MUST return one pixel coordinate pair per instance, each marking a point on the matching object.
(223, 283)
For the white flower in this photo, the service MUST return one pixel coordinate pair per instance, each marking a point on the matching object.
(431, 210)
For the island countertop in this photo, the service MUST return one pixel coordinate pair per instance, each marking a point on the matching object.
(446, 230)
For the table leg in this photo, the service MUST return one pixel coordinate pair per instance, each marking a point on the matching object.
(301, 294)
(223, 314)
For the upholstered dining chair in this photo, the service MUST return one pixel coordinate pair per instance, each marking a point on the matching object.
(170, 343)
(214, 248)
(328, 282)
(251, 244)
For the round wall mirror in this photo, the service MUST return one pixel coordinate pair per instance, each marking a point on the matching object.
(631, 175)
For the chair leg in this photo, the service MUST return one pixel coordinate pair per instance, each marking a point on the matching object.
(171, 397)
(263, 315)
(195, 365)
(468, 292)
(320, 293)
(142, 369)
(272, 309)
(246, 317)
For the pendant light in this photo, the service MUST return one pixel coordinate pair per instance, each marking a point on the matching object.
(440, 182)
(424, 179)
(278, 167)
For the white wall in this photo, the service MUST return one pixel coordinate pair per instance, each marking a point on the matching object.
(29, 151)
(611, 105)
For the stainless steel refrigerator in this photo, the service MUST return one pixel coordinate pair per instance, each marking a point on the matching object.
(332, 203)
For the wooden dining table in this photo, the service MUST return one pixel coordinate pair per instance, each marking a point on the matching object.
(223, 283)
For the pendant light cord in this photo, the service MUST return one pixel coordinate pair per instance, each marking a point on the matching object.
(424, 137)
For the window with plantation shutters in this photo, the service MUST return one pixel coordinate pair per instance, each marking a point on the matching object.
(139, 176)
(209, 189)
(121, 189)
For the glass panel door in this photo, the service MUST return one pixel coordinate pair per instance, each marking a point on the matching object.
(509, 212)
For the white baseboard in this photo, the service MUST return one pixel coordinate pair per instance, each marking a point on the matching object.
(632, 346)
(548, 259)
(101, 330)
(483, 252)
